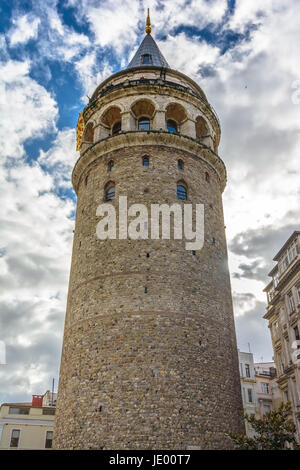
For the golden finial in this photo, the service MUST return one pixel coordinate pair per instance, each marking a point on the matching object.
(148, 28)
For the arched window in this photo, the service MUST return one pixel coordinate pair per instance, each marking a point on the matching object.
(116, 128)
(109, 193)
(110, 165)
(181, 191)
(172, 126)
(207, 177)
(144, 124)
(202, 129)
(180, 164)
(145, 161)
(89, 133)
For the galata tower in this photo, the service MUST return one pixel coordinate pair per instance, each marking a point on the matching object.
(149, 357)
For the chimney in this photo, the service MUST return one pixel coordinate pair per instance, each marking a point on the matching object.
(37, 400)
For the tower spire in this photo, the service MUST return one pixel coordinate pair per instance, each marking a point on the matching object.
(148, 28)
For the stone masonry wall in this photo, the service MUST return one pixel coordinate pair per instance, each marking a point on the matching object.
(154, 369)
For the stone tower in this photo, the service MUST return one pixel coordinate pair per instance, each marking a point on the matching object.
(149, 356)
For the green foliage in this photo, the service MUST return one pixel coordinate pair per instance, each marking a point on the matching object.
(276, 431)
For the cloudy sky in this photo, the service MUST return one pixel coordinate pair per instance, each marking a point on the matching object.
(243, 53)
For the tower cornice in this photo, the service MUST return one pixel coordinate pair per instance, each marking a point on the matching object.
(144, 69)
(133, 139)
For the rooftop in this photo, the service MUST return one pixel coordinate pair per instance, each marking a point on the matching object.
(148, 54)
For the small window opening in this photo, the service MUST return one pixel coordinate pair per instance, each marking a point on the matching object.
(146, 59)
(110, 165)
(144, 124)
(145, 161)
(110, 193)
(180, 165)
(181, 192)
(172, 126)
(116, 128)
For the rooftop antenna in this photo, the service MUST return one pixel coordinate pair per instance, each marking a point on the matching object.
(148, 28)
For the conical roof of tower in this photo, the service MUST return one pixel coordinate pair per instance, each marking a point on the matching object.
(148, 54)
(150, 48)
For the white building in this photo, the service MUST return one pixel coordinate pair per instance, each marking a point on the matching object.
(248, 386)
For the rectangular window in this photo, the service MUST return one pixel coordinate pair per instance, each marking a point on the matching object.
(286, 395)
(247, 369)
(48, 411)
(298, 292)
(250, 397)
(267, 409)
(15, 436)
(292, 253)
(265, 387)
(49, 438)
(13, 410)
(291, 302)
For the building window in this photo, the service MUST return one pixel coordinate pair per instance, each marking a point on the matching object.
(15, 437)
(49, 438)
(265, 388)
(207, 177)
(110, 165)
(250, 396)
(181, 192)
(286, 395)
(247, 369)
(289, 255)
(145, 161)
(18, 411)
(144, 124)
(297, 337)
(89, 133)
(116, 128)
(146, 59)
(180, 164)
(267, 409)
(291, 302)
(48, 411)
(298, 292)
(109, 192)
(172, 126)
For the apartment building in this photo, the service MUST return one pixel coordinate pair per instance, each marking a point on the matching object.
(248, 386)
(27, 425)
(283, 315)
(265, 376)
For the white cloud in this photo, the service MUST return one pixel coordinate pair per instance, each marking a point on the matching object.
(27, 109)
(187, 54)
(24, 28)
(61, 157)
(89, 74)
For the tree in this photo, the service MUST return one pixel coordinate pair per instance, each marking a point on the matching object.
(276, 431)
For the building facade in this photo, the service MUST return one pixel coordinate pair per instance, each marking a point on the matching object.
(149, 356)
(26, 425)
(283, 315)
(265, 373)
(248, 386)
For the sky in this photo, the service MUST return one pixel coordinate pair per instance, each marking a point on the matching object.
(53, 54)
